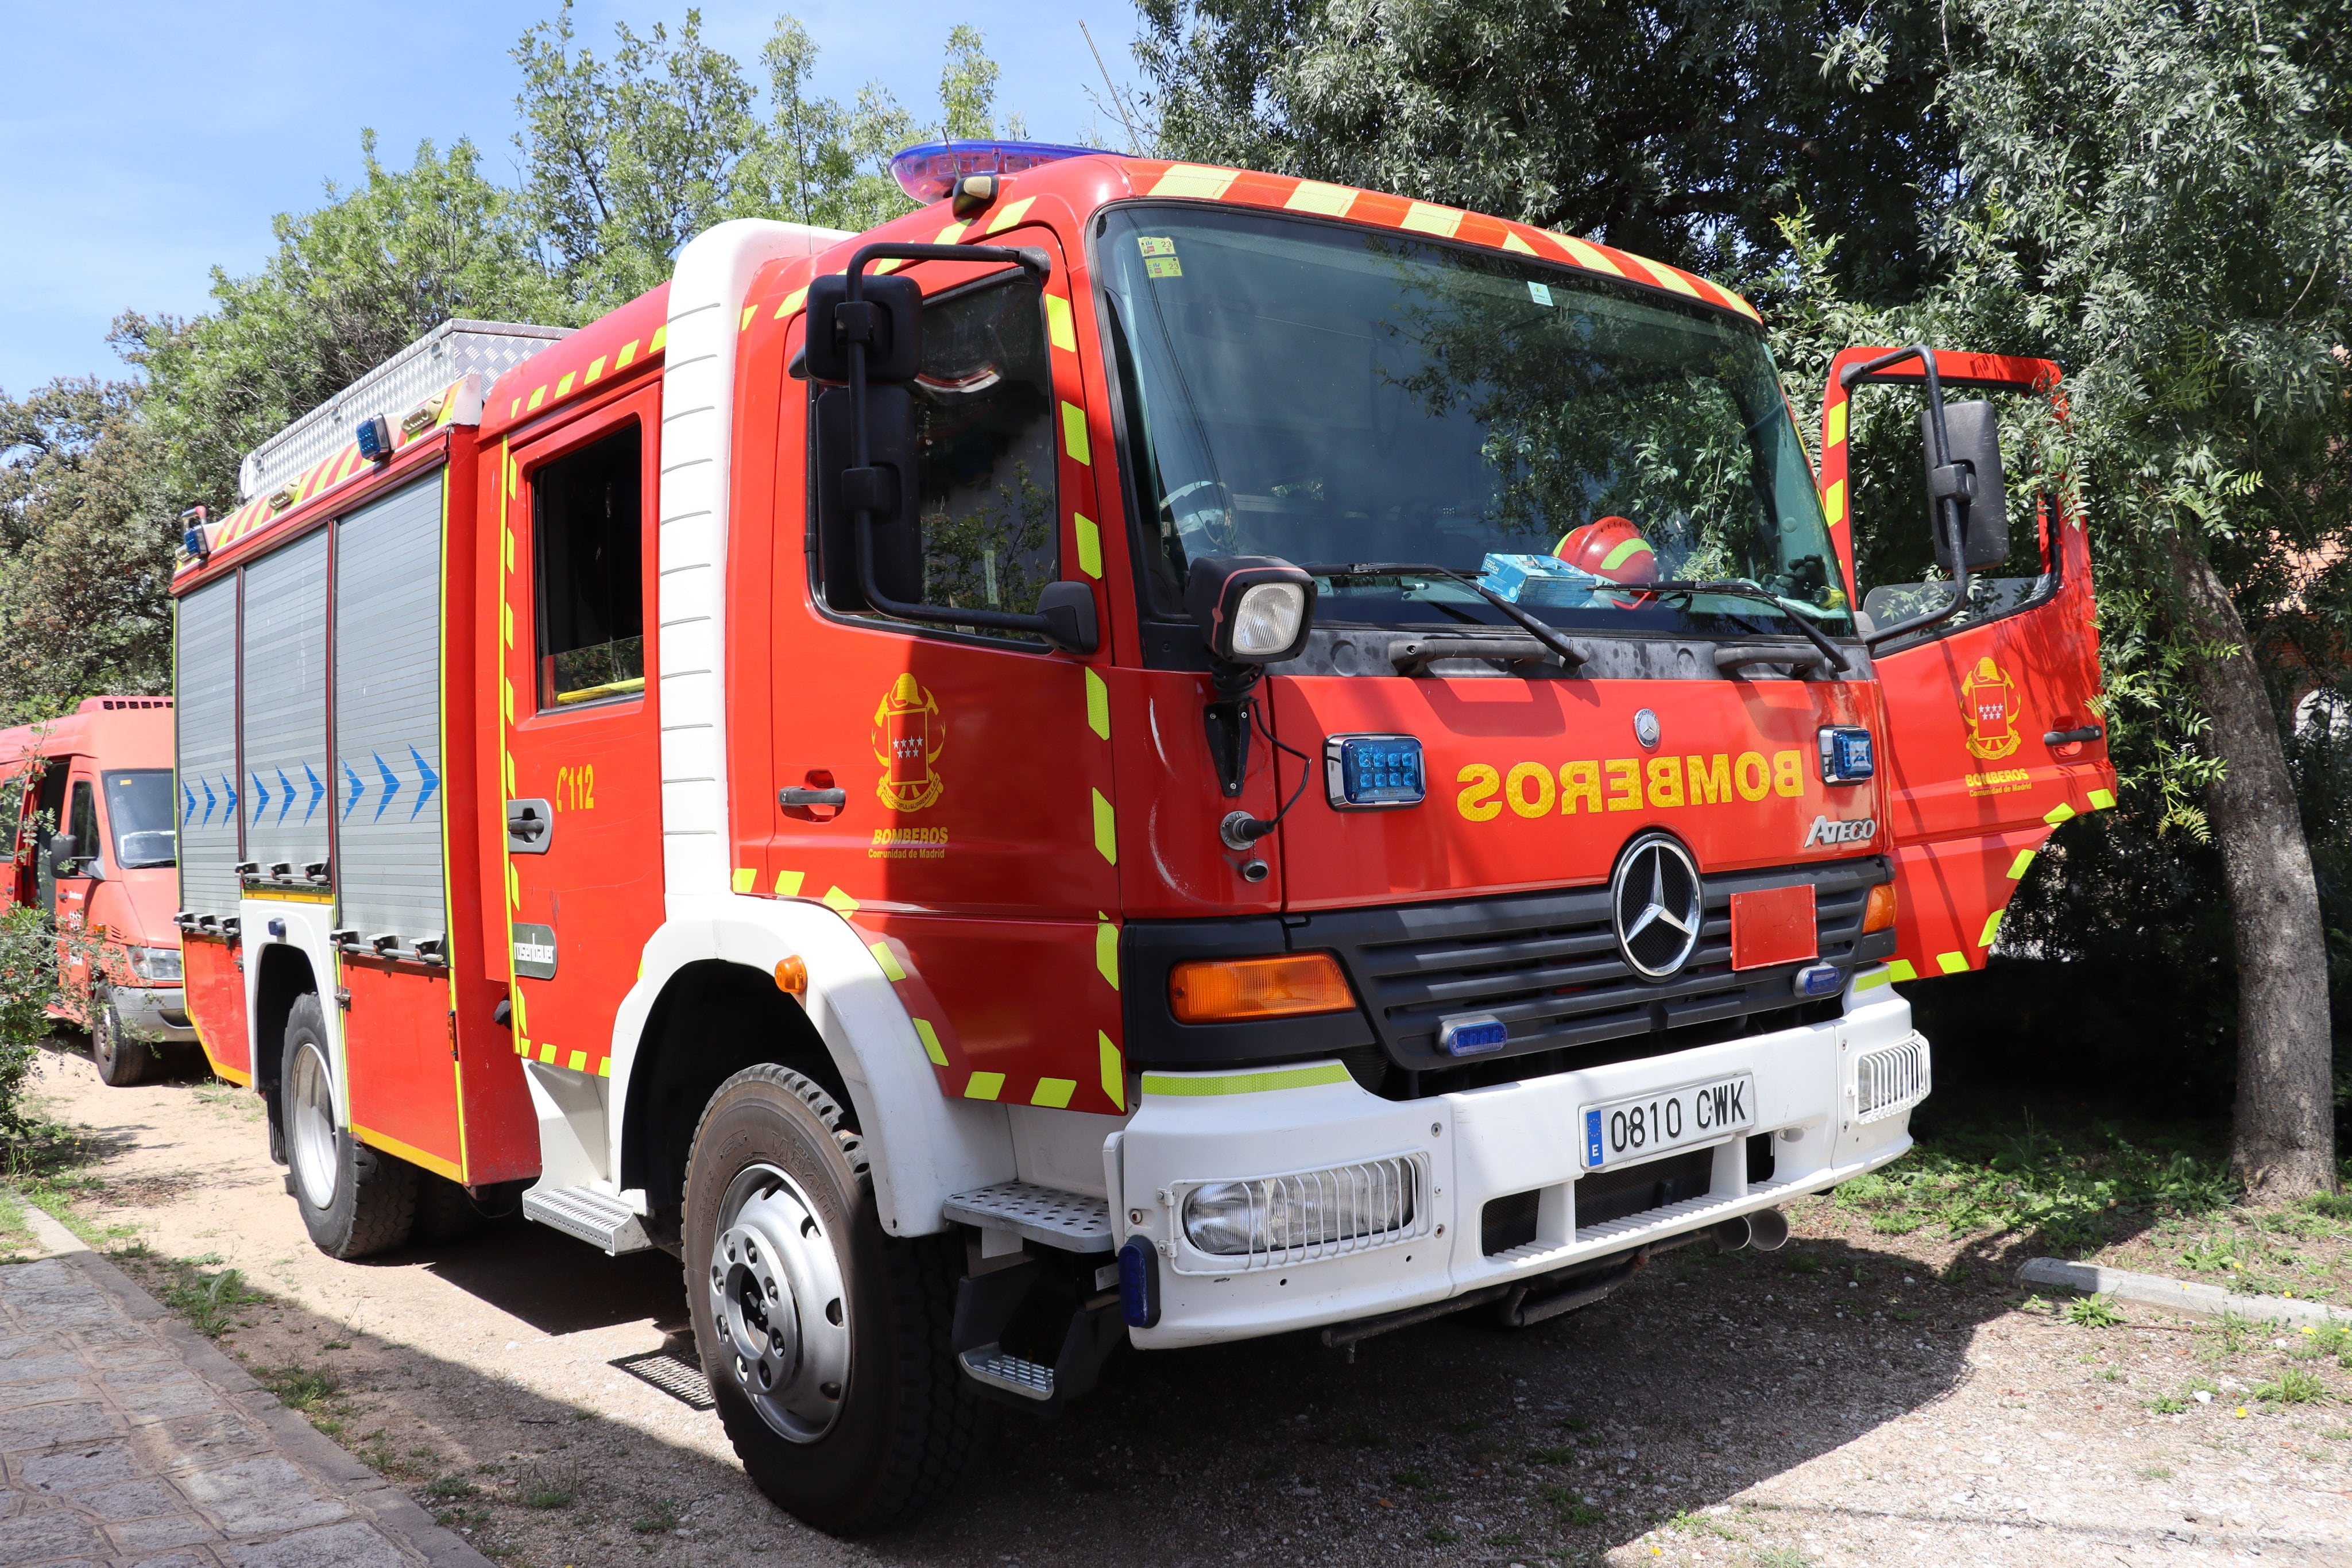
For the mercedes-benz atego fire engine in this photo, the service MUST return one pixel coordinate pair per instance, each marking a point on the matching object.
(1145, 755)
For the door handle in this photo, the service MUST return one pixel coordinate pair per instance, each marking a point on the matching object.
(797, 797)
(2074, 736)
(531, 824)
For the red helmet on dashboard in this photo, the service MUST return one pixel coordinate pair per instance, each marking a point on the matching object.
(1611, 548)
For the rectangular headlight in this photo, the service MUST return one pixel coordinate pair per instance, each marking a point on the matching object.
(1314, 1214)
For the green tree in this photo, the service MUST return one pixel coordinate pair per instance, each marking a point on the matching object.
(630, 158)
(1680, 129)
(350, 284)
(2161, 201)
(87, 526)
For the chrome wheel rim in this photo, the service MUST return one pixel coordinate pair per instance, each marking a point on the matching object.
(778, 1304)
(310, 1127)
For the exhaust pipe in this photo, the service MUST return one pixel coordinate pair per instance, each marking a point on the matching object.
(1731, 1235)
(1767, 1230)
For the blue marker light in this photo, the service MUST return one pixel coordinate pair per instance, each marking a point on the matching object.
(1362, 771)
(1845, 755)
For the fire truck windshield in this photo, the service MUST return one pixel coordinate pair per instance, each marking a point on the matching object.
(1330, 394)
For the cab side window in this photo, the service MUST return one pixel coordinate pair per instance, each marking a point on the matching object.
(986, 449)
(588, 564)
(82, 821)
(1895, 559)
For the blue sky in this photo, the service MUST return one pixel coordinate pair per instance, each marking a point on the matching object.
(145, 142)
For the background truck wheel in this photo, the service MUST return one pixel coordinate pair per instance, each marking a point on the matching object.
(827, 1344)
(121, 1060)
(355, 1201)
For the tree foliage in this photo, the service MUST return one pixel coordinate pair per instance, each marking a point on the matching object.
(1680, 129)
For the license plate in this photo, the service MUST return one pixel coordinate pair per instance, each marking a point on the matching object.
(1625, 1130)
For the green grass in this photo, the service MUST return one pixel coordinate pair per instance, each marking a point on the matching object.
(2094, 1311)
(660, 1518)
(209, 1299)
(2293, 1385)
(449, 1488)
(546, 1486)
(1783, 1557)
(2167, 1404)
(1572, 1508)
(304, 1388)
(2325, 1340)
(1972, 1177)
(1690, 1523)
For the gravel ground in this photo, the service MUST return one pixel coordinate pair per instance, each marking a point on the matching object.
(1859, 1398)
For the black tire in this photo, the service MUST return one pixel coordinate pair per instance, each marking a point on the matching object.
(121, 1060)
(371, 1204)
(445, 1212)
(908, 1421)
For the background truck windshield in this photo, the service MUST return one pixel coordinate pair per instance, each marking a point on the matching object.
(1333, 394)
(138, 813)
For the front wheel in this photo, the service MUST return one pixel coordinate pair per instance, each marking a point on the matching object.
(355, 1201)
(121, 1060)
(827, 1344)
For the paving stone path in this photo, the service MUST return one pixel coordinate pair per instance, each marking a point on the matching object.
(126, 1438)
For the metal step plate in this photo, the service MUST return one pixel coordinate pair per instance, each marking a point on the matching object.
(999, 1370)
(593, 1217)
(1073, 1221)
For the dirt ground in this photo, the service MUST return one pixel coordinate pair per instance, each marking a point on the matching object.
(1858, 1398)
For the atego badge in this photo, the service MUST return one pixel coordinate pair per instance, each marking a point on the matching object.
(908, 740)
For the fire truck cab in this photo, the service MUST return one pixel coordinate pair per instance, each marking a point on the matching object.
(1145, 755)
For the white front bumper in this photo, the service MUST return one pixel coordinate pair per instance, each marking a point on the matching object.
(1480, 1145)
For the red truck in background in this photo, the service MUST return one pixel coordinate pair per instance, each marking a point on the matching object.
(1145, 755)
(94, 847)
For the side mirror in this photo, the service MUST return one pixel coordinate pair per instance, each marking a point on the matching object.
(887, 490)
(888, 321)
(61, 856)
(1251, 609)
(1970, 474)
(1067, 610)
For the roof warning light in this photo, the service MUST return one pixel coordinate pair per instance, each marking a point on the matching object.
(928, 171)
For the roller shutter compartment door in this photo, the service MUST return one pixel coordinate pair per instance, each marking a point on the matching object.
(287, 809)
(388, 716)
(205, 658)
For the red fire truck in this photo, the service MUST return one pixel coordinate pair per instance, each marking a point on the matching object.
(1147, 754)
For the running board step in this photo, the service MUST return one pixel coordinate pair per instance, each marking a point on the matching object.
(1000, 1369)
(592, 1217)
(1073, 1221)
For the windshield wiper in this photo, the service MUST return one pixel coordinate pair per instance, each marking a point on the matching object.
(1571, 654)
(1734, 590)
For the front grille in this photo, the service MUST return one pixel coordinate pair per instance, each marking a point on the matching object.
(1888, 1082)
(1548, 963)
(1620, 1195)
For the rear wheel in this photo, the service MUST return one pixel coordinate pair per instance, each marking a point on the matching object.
(121, 1061)
(827, 1344)
(354, 1200)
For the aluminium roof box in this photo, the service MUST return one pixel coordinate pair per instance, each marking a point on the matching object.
(450, 351)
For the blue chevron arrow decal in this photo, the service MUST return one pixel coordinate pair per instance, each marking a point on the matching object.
(426, 776)
(285, 797)
(187, 813)
(318, 792)
(228, 788)
(390, 787)
(210, 801)
(354, 788)
(260, 799)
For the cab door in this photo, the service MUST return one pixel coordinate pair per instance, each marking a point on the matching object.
(949, 791)
(1994, 733)
(581, 764)
(78, 879)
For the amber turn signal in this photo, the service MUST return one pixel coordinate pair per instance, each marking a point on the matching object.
(1226, 990)
(1878, 913)
(792, 976)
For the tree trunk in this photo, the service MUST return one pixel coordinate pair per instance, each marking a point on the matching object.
(2283, 1140)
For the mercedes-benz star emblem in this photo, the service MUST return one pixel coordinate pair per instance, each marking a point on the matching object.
(1654, 899)
(1645, 729)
